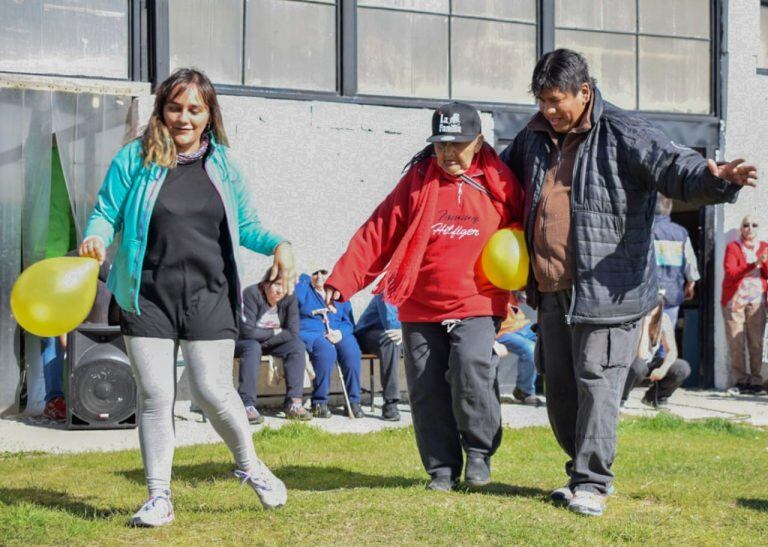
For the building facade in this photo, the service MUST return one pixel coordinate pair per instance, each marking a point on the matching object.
(326, 100)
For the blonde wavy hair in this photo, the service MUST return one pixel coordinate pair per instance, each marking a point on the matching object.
(156, 142)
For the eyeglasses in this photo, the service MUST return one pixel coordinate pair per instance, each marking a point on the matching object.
(324, 272)
(747, 225)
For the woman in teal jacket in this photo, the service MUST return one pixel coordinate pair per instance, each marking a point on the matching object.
(184, 210)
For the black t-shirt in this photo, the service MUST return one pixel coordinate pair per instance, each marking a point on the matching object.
(187, 278)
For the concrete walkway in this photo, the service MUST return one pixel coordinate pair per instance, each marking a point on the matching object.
(23, 434)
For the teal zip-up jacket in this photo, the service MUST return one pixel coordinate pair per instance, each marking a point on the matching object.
(127, 198)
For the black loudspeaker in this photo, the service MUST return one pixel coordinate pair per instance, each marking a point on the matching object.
(101, 390)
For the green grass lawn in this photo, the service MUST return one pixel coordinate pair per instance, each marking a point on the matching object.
(677, 483)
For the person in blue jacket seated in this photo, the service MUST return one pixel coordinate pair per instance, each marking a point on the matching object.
(328, 342)
(271, 327)
(378, 331)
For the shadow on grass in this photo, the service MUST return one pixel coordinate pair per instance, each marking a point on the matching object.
(321, 479)
(753, 503)
(51, 499)
(510, 490)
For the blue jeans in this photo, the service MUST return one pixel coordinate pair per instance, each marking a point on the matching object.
(521, 343)
(324, 355)
(52, 355)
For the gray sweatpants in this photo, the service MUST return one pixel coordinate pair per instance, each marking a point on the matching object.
(453, 391)
(585, 367)
(209, 365)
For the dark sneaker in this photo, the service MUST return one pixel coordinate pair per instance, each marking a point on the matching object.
(390, 413)
(477, 471)
(527, 398)
(648, 401)
(357, 410)
(758, 390)
(296, 411)
(253, 415)
(442, 483)
(320, 410)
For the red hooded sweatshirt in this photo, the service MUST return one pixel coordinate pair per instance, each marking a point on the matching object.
(448, 283)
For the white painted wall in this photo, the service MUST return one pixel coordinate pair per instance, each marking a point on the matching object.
(318, 169)
(746, 124)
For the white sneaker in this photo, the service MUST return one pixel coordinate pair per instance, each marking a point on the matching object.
(156, 511)
(587, 503)
(271, 490)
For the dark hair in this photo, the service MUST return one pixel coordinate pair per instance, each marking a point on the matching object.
(663, 205)
(157, 144)
(562, 69)
(426, 152)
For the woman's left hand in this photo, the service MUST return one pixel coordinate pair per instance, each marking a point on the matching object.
(284, 266)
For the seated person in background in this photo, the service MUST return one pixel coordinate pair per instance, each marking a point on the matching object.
(657, 355)
(378, 331)
(328, 341)
(271, 327)
(516, 335)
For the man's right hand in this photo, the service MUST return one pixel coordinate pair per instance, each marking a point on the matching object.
(396, 335)
(500, 349)
(93, 247)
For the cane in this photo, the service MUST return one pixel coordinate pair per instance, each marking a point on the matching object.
(324, 313)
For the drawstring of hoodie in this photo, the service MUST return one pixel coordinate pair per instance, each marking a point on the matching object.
(450, 324)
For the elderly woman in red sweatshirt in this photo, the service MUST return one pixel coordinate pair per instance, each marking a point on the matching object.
(744, 288)
(428, 234)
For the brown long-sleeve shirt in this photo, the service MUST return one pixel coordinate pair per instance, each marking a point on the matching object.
(552, 262)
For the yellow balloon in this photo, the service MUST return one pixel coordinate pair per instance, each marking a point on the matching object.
(505, 259)
(54, 296)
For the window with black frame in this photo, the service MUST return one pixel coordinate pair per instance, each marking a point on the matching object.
(441, 49)
(283, 44)
(87, 38)
(652, 55)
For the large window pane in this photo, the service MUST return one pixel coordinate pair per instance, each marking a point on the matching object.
(434, 6)
(675, 17)
(619, 15)
(762, 57)
(492, 61)
(402, 54)
(290, 44)
(71, 37)
(520, 10)
(208, 34)
(611, 59)
(674, 75)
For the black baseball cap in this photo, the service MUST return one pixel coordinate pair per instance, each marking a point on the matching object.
(455, 122)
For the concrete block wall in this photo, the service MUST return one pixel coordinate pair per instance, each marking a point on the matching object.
(318, 169)
(746, 124)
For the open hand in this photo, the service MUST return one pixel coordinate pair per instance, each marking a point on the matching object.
(735, 172)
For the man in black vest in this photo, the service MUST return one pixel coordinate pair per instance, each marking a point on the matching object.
(591, 171)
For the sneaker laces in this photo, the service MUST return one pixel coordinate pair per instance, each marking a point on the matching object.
(152, 501)
(257, 482)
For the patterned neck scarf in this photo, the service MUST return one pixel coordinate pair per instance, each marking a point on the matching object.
(183, 159)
